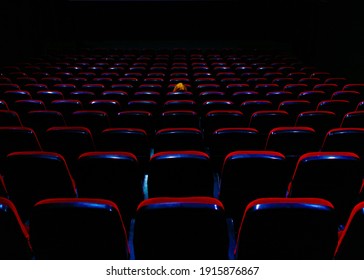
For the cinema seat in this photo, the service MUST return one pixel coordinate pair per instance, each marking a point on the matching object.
(131, 140)
(180, 174)
(70, 142)
(226, 140)
(14, 237)
(32, 176)
(116, 176)
(350, 244)
(77, 229)
(16, 139)
(191, 228)
(265, 121)
(335, 176)
(287, 229)
(9, 118)
(248, 175)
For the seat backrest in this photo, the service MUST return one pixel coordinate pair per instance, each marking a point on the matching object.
(335, 176)
(16, 139)
(181, 229)
(248, 175)
(69, 141)
(180, 174)
(14, 238)
(179, 139)
(56, 232)
(350, 244)
(287, 229)
(33, 176)
(116, 176)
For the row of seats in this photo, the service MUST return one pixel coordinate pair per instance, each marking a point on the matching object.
(180, 228)
(118, 100)
(72, 141)
(160, 91)
(246, 175)
(264, 120)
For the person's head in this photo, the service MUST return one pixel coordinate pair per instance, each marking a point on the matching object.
(179, 87)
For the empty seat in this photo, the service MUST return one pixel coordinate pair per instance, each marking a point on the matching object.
(295, 107)
(296, 89)
(179, 139)
(181, 229)
(313, 96)
(172, 105)
(118, 95)
(213, 105)
(251, 106)
(276, 97)
(226, 140)
(248, 175)
(6, 87)
(34, 88)
(242, 96)
(147, 95)
(32, 176)
(69, 141)
(340, 81)
(116, 176)
(292, 142)
(22, 107)
(344, 140)
(96, 88)
(320, 121)
(353, 119)
(339, 107)
(3, 105)
(9, 118)
(41, 120)
(16, 139)
(335, 176)
(66, 107)
(47, 96)
(263, 89)
(211, 95)
(65, 88)
(328, 88)
(180, 174)
(14, 236)
(222, 119)
(110, 107)
(355, 87)
(321, 75)
(56, 232)
(132, 140)
(265, 121)
(135, 119)
(350, 244)
(354, 97)
(143, 105)
(11, 96)
(178, 119)
(287, 229)
(85, 97)
(94, 120)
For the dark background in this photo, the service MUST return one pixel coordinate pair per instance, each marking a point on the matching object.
(327, 34)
